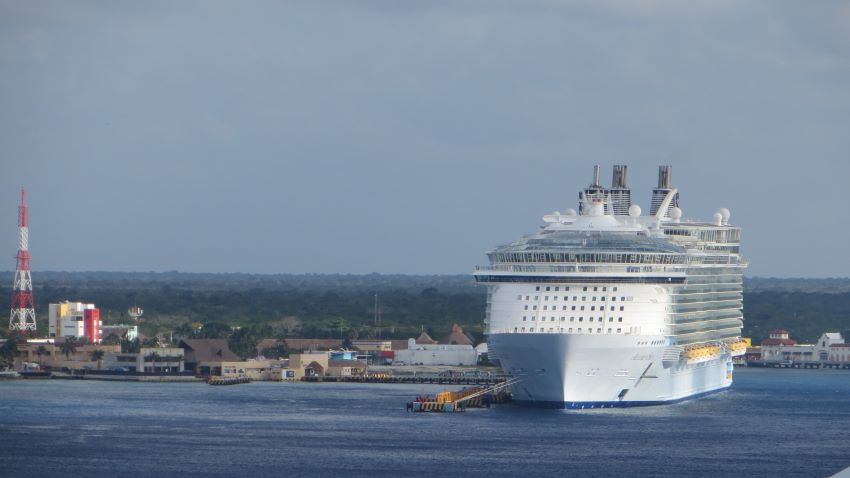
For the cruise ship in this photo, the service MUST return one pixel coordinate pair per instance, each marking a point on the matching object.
(610, 307)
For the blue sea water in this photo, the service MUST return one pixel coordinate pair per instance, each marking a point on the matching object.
(771, 423)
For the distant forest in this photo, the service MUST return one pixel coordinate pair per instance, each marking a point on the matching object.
(343, 306)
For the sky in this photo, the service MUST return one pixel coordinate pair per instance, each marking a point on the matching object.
(412, 137)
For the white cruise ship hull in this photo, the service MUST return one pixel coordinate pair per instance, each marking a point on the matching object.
(602, 371)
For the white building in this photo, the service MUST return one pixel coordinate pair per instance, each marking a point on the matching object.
(435, 354)
(158, 360)
(129, 332)
(74, 319)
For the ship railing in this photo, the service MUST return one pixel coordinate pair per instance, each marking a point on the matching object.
(550, 269)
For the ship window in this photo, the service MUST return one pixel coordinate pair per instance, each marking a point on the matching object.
(574, 308)
(592, 307)
(612, 308)
(531, 329)
(598, 331)
(593, 299)
(582, 307)
(585, 289)
(621, 307)
(602, 299)
(524, 318)
(550, 329)
(595, 289)
(523, 329)
(533, 318)
(584, 298)
(542, 330)
(575, 297)
(589, 330)
(581, 319)
(570, 330)
(537, 288)
(546, 298)
(552, 318)
(545, 307)
(613, 299)
(564, 308)
(610, 319)
(557, 288)
(526, 307)
(533, 307)
(619, 319)
(519, 297)
(614, 289)
(563, 319)
(622, 299)
(609, 330)
(526, 297)
(604, 289)
(618, 331)
(572, 319)
(515, 329)
(579, 330)
(554, 297)
(567, 288)
(536, 297)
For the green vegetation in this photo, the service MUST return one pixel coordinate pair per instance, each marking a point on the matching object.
(243, 307)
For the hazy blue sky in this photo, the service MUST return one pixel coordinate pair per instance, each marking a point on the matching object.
(411, 137)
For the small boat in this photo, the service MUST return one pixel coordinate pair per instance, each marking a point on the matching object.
(35, 374)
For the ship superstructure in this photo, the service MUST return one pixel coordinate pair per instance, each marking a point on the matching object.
(608, 307)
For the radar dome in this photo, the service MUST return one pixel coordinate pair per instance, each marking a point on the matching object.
(718, 219)
(676, 213)
(570, 212)
(724, 213)
(634, 210)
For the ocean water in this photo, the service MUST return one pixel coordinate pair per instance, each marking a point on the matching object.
(771, 423)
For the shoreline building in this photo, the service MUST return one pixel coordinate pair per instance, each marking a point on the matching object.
(455, 349)
(75, 319)
(780, 347)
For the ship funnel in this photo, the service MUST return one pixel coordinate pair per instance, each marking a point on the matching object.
(665, 177)
(619, 196)
(665, 186)
(619, 179)
(593, 194)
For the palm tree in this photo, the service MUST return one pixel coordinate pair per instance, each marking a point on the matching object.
(41, 350)
(69, 346)
(8, 352)
(97, 356)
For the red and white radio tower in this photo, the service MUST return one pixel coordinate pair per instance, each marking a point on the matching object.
(23, 306)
